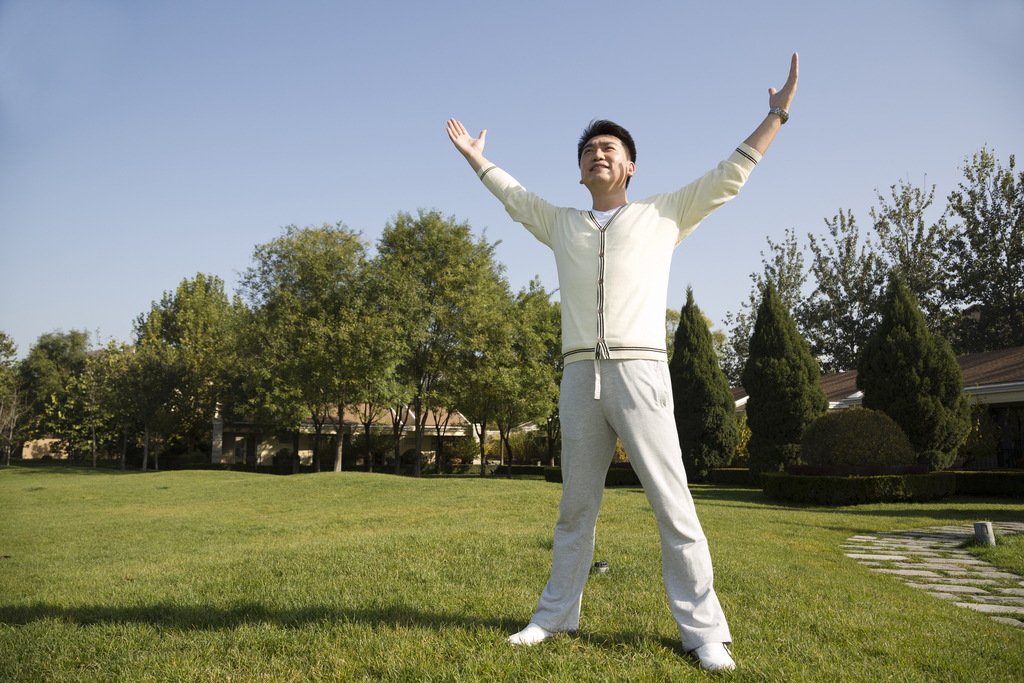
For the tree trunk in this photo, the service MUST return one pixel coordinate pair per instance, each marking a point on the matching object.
(338, 446)
(483, 456)
(420, 421)
(124, 446)
(94, 445)
(295, 452)
(316, 449)
(145, 451)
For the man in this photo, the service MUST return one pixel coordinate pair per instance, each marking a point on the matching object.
(613, 266)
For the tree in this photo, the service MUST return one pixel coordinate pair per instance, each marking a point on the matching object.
(719, 340)
(553, 359)
(785, 270)
(842, 310)
(782, 383)
(449, 281)
(195, 321)
(12, 398)
(153, 373)
(527, 385)
(913, 249)
(985, 257)
(46, 372)
(704, 407)
(912, 376)
(302, 338)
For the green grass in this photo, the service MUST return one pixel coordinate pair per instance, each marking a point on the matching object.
(218, 576)
(1008, 552)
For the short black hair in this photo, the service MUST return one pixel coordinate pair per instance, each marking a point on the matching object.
(605, 127)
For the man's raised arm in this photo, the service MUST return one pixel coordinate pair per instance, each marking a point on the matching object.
(761, 138)
(470, 147)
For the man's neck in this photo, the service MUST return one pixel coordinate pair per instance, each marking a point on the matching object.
(608, 201)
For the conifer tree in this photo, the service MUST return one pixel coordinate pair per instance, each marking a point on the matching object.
(912, 376)
(782, 383)
(704, 407)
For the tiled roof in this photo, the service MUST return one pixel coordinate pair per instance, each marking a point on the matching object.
(979, 369)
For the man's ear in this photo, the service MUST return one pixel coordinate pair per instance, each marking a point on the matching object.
(631, 170)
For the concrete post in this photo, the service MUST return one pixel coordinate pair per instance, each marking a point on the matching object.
(983, 533)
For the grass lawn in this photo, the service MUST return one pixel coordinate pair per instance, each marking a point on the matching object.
(222, 576)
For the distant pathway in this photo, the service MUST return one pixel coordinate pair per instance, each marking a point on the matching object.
(932, 560)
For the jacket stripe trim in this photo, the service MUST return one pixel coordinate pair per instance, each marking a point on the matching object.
(752, 159)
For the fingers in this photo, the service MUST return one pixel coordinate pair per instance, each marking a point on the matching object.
(794, 71)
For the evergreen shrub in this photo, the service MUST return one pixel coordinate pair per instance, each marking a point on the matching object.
(906, 488)
(912, 376)
(856, 436)
(936, 460)
(783, 385)
(705, 410)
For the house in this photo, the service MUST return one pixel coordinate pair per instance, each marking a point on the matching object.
(242, 442)
(993, 378)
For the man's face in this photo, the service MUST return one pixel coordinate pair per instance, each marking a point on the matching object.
(605, 163)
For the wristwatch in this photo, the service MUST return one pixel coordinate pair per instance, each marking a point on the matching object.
(780, 112)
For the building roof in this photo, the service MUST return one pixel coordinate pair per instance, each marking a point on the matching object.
(979, 370)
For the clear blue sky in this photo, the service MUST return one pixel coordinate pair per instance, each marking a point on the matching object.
(143, 142)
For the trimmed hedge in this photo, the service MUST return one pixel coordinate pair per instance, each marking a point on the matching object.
(616, 476)
(1008, 483)
(915, 488)
(734, 476)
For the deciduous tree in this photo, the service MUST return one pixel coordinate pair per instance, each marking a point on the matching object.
(449, 280)
(784, 267)
(985, 267)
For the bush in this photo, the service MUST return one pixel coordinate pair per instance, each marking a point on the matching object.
(936, 460)
(856, 436)
(1009, 484)
(915, 488)
(282, 457)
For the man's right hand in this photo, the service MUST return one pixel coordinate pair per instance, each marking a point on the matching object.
(470, 147)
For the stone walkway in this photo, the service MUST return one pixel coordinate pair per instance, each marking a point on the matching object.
(932, 560)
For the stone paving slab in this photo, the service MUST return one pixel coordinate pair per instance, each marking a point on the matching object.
(999, 600)
(991, 609)
(934, 560)
(950, 589)
(944, 596)
(906, 572)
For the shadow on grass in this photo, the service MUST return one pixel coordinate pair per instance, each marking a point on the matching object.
(165, 615)
(62, 467)
(184, 617)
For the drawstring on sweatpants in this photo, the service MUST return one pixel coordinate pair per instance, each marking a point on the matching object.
(597, 378)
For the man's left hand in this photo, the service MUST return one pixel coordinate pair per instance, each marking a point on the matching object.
(783, 98)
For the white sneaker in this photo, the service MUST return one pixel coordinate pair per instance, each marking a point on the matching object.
(531, 635)
(714, 657)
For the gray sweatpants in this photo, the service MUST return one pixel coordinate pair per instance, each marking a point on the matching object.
(636, 404)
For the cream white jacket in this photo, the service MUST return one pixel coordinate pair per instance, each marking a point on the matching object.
(614, 280)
